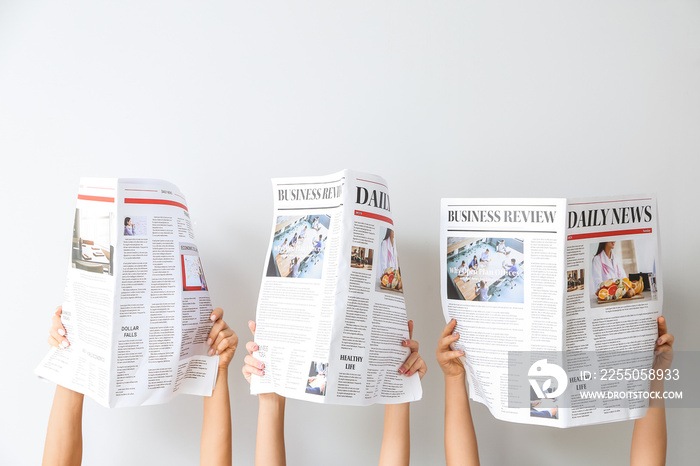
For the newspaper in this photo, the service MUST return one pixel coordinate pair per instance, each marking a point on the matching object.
(575, 281)
(136, 306)
(331, 314)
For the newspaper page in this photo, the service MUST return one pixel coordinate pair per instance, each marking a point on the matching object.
(331, 314)
(613, 299)
(502, 263)
(136, 305)
(576, 315)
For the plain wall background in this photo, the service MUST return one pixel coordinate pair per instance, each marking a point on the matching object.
(442, 98)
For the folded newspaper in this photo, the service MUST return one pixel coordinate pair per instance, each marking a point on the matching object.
(136, 305)
(331, 314)
(552, 298)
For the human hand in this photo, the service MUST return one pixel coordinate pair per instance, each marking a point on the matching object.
(663, 351)
(57, 332)
(252, 365)
(222, 340)
(414, 363)
(447, 358)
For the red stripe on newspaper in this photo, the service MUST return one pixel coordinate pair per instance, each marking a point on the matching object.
(144, 190)
(85, 197)
(154, 201)
(375, 182)
(599, 234)
(361, 213)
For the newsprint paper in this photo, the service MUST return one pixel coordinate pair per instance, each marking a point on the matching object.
(136, 305)
(571, 287)
(331, 314)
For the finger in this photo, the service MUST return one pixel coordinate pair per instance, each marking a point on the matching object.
(251, 347)
(254, 363)
(219, 336)
(412, 344)
(410, 330)
(215, 329)
(57, 328)
(59, 310)
(216, 314)
(662, 349)
(449, 328)
(246, 373)
(450, 355)
(251, 326)
(230, 341)
(665, 339)
(406, 366)
(53, 342)
(249, 370)
(58, 332)
(419, 367)
(251, 361)
(62, 341)
(663, 327)
(445, 342)
(416, 366)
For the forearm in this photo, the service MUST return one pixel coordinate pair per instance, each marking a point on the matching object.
(215, 446)
(460, 437)
(269, 443)
(64, 435)
(649, 435)
(396, 441)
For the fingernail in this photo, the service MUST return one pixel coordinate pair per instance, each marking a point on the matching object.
(261, 365)
(261, 372)
(65, 344)
(255, 348)
(212, 317)
(211, 352)
(461, 353)
(406, 342)
(456, 335)
(61, 332)
(659, 341)
(401, 370)
(217, 352)
(209, 341)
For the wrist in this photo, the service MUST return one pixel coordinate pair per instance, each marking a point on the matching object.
(460, 376)
(455, 380)
(68, 393)
(271, 398)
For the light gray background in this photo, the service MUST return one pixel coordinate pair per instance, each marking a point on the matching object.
(442, 98)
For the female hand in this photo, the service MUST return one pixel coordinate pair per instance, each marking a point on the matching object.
(414, 363)
(252, 366)
(222, 339)
(447, 357)
(663, 351)
(57, 332)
